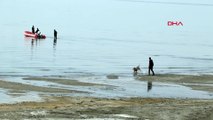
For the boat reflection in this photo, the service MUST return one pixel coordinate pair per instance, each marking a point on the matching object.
(33, 41)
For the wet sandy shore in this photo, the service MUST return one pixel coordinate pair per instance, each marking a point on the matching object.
(66, 107)
(196, 82)
(134, 108)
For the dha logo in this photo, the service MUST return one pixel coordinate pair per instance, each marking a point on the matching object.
(172, 23)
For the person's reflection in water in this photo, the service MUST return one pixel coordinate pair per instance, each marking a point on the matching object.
(32, 47)
(54, 46)
(32, 43)
(149, 86)
(54, 43)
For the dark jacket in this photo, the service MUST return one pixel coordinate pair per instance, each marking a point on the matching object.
(151, 63)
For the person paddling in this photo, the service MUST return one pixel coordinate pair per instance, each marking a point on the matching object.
(37, 30)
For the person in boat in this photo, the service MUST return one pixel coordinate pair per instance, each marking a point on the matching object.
(151, 64)
(55, 34)
(37, 30)
(33, 29)
(39, 35)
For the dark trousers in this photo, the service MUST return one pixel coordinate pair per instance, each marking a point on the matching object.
(151, 69)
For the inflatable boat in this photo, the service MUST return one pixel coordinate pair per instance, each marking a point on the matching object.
(34, 35)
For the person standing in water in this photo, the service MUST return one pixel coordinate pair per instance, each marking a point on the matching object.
(55, 34)
(151, 64)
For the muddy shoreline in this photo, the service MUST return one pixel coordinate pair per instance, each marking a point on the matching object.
(67, 107)
(196, 82)
(88, 108)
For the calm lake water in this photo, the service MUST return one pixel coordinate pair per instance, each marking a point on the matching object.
(105, 36)
(101, 37)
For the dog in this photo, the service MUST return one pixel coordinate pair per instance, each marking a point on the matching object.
(136, 69)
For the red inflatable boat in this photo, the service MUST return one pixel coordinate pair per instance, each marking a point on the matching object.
(34, 35)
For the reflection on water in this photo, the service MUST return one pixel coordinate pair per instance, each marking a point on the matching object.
(149, 86)
(34, 43)
(54, 42)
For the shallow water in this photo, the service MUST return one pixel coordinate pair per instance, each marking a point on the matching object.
(10, 98)
(129, 87)
(124, 87)
(100, 37)
(107, 36)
